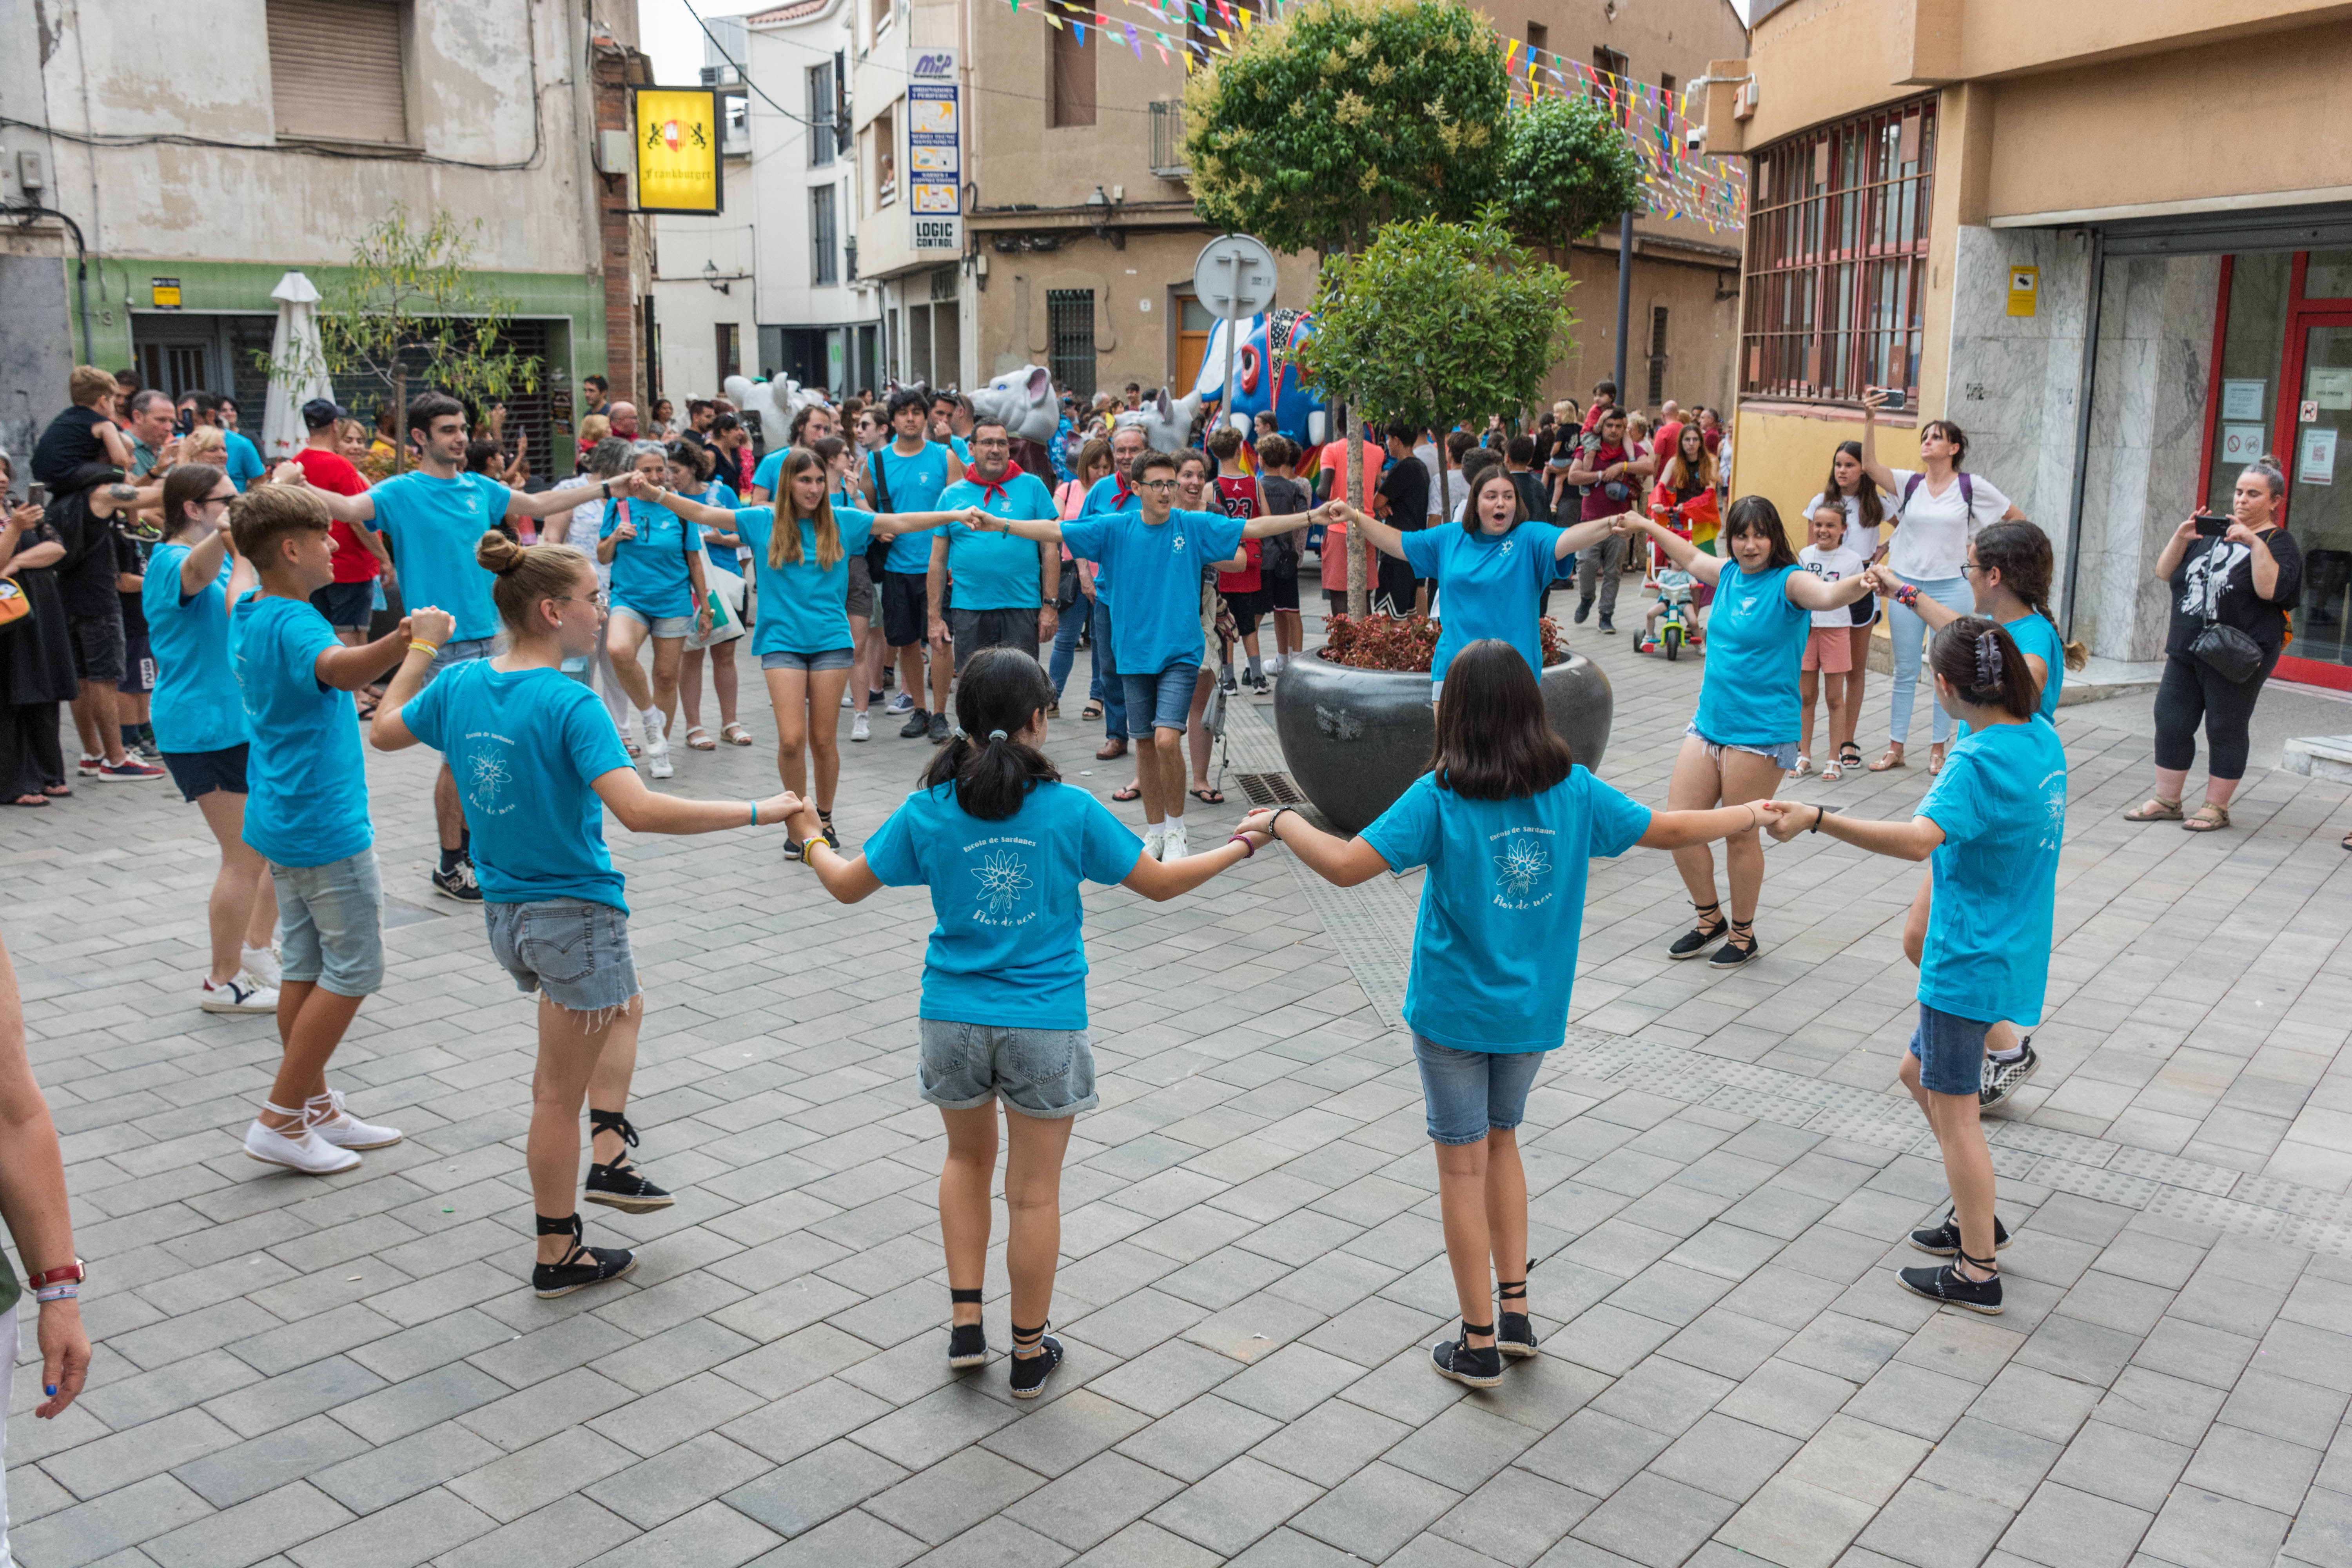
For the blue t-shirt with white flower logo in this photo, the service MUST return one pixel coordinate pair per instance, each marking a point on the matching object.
(434, 526)
(1488, 585)
(1159, 569)
(2001, 802)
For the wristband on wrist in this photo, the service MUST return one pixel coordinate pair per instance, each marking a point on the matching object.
(755, 812)
(49, 1293)
(419, 644)
(1820, 812)
(1906, 595)
(1248, 848)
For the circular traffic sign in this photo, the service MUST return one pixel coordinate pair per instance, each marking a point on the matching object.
(1234, 278)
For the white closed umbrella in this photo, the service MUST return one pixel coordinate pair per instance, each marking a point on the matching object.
(295, 346)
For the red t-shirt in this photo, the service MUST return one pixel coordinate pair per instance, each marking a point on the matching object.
(354, 562)
(1240, 497)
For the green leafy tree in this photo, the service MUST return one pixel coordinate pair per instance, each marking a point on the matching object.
(1568, 169)
(1435, 321)
(410, 288)
(1346, 116)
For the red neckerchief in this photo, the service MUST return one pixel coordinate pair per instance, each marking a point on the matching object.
(1123, 495)
(996, 487)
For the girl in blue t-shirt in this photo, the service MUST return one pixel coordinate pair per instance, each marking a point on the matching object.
(538, 762)
(1990, 827)
(692, 465)
(1004, 845)
(802, 547)
(1743, 740)
(1506, 824)
(2008, 573)
(658, 592)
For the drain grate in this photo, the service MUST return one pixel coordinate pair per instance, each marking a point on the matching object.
(1270, 789)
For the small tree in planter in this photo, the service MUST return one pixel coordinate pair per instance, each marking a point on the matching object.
(1435, 321)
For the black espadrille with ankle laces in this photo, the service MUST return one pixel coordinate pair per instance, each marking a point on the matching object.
(1710, 931)
(1946, 1283)
(581, 1265)
(1480, 1366)
(1035, 1353)
(620, 1185)
(966, 1342)
(1515, 1335)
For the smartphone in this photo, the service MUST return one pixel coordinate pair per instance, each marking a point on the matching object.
(38, 494)
(186, 422)
(2211, 527)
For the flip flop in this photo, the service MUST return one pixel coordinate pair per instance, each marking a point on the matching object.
(1133, 792)
(1892, 759)
(1209, 797)
(30, 802)
(57, 792)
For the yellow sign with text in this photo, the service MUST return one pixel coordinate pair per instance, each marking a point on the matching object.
(678, 133)
(2024, 284)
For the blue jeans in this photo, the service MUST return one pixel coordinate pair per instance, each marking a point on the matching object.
(1114, 690)
(1066, 647)
(1910, 634)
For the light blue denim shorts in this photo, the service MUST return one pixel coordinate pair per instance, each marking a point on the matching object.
(574, 952)
(1784, 753)
(330, 923)
(1044, 1073)
(1161, 701)
(457, 651)
(660, 626)
(1470, 1093)
(829, 658)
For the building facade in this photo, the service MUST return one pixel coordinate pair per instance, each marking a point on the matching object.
(178, 210)
(2040, 223)
(705, 269)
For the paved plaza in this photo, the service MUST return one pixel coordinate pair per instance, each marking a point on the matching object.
(353, 1372)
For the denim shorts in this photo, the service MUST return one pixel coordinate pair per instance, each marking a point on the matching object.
(1469, 1093)
(457, 651)
(831, 659)
(572, 951)
(1950, 1049)
(198, 773)
(330, 923)
(1784, 754)
(660, 626)
(1161, 701)
(348, 607)
(1044, 1073)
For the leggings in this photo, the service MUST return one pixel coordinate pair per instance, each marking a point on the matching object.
(1910, 634)
(2192, 690)
(1065, 645)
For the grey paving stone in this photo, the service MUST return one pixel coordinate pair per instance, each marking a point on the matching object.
(1996, 1463)
(712, 1536)
(2062, 1527)
(416, 1530)
(795, 1498)
(1288, 1549)
(1329, 1443)
(1463, 1448)
(534, 1479)
(1853, 1458)
(1145, 1545)
(2027, 1399)
(1929, 1526)
(179, 1438)
(384, 1476)
(677, 1480)
(2283, 1408)
(1654, 1520)
(1234, 1505)
(2122, 1465)
(1514, 1518)
(249, 1532)
(1728, 1457)
(1913, 1399)
(1664, 1395)
(1166, 1377)
(137, 1513)
(1065, 1432)
(1375, 1511)
(1845, 1347)
(2267, 1472)
(806, 1419)
(1095, 1502)
(563, 1535)
(852, 1539)
(2322, 1535)
(1198, 1438)
(419, 1401)
(2207, 1528)
(229, 1476)
(1794, 1523)
(1594, 1453)
(1290, 1381)
(2073, 1348)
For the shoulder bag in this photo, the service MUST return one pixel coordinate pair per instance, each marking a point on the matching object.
(877, 553)
(2225, 650)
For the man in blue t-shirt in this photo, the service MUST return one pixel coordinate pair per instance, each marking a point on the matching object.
(434, 515)
(1005, 587)
(951, 425)
(909, 475)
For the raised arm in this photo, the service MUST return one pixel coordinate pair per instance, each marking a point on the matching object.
(202, 564)
(523, 503)
(642, 810)
(1681, 829)
(1807, 591)
(1584, 536)
(1266, 527)
(1878, 473)
(348, 668)
(1382, 536)
(1042, 530)
(695, 511)
(359, 508)
(1686, 556)
(890, 524)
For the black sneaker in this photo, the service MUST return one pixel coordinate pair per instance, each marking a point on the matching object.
(1030, 1372)
(940, 730)
(968, 1346)
(1738, 949)
(1608, 625)
(2002, 1078)
(1943, 1283)
(459, 883)
(1465, 1363)
(1701, 936)
(917, 725)
(1226, 683)
(1583, 609)
(1944, 1240)
(581, 1266)
(620, 1185)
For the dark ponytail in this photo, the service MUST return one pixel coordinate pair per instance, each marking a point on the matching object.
(1981, 661)
(999, 691)
(2020, 553)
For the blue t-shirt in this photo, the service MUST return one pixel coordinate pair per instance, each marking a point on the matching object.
(525, 745)
(914, 484)
(435, 524)
(1159, 569)
(961, 448)
(803, 609)
(243, 460)
(308, 800)
(1493, 951)
(1755, 648)
(771, 469)
(649, 572)
(997, 571)
(197, 706)
(2033, 634)
(1007, 949)
(1491, 585)
(2001, 802)
(1103, 499)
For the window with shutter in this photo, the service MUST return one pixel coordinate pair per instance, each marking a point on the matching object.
(336, 69)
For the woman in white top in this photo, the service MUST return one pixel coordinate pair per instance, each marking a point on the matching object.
(1937, 510)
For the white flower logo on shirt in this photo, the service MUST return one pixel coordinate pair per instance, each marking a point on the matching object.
(489, 776)
(1003, 877)
(1176, 545)
(1520, 866)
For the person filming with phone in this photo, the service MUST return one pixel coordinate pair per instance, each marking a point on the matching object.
(2233, 579)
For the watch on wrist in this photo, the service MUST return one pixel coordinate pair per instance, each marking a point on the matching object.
(73, 1273)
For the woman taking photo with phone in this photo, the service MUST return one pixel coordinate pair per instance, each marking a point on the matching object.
(2233, 580)
(1743, 740)
(1938, 508)
(1507, 824)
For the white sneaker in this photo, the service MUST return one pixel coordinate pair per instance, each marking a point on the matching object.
(902, 703)
(658, 765)
(242, 994)
(330, 1121)
(849, 700)
(1174, 848)
(860, 728)
(1155, 840)
(297, 1148)
(261, 964)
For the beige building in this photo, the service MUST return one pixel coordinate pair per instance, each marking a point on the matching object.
(1078, 233)
(2114, 243)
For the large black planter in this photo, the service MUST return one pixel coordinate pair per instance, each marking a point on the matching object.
(1356, 738)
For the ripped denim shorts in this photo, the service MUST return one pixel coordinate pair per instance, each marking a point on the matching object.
(574, 953)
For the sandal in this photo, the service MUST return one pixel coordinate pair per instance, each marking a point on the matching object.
(1804, 766)
(632, 747)
(704, 743)
(1131, 792)
(1091, 710)
(1209, 797)
(367, 705)
(2207, 819)
(2156, 808)
(57, 790)
(1893, 758)
(1702, 936)
(734, 734)
(30, 800)
(1515, 1335)
(1936, 754)
(1834, 770)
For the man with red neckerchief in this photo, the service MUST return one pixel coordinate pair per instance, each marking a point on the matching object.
(1003, 587)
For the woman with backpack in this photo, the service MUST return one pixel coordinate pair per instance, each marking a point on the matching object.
(1004, 845)
(1937, 510)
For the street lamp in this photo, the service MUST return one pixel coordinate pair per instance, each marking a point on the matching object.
(710, 275)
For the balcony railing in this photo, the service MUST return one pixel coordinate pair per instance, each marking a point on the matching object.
(1167, 139)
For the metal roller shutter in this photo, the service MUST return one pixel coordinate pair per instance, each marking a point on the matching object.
(335, 69)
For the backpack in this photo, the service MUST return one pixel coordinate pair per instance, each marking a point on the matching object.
(1967, 494)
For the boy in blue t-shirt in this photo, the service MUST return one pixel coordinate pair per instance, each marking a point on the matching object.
(307, 813)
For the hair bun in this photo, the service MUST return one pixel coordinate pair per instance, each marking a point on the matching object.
(496, 553)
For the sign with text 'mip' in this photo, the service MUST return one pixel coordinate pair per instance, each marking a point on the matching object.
(934, 150)
(677, 134)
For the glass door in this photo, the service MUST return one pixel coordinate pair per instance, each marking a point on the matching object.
(2317, 452)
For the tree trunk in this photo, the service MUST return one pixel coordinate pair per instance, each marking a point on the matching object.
(399, 417)
(1445, 496)
(1360, 594)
